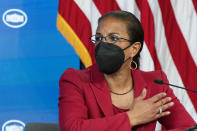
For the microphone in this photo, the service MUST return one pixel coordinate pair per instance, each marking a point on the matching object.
(160, 82)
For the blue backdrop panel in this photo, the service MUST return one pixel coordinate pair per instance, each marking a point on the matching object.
(32, 59)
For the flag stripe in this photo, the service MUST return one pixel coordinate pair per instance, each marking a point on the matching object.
(148, 25)
(187, 20)
(195, 4)
(105, 6)
(181, 55)
(146, 61)
(129, 5)
(91, 12)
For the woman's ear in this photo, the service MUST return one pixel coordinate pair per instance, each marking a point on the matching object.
(135, 49)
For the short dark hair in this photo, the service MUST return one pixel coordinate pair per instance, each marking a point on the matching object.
(135, 30)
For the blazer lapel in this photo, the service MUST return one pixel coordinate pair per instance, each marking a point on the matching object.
(101, 91)
(139, 83)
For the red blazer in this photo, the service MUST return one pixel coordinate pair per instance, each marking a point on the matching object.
(85, 102)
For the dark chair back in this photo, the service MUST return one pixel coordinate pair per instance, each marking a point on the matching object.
(42, 127)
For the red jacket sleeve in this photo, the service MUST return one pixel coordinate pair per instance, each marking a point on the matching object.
(73, 112)
(179, 117)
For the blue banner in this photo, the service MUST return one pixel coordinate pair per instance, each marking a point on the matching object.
(33, 55)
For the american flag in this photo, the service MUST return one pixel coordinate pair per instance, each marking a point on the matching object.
(170, 28)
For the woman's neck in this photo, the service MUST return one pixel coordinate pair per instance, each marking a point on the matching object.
(121, 80)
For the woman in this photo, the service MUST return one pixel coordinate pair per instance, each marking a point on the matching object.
(113, 95)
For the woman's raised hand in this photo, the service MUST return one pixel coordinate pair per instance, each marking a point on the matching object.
(144, 111)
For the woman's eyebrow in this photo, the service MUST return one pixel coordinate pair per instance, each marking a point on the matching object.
(111, 33)
(98, 33)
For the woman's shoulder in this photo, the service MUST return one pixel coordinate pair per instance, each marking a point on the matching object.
(156, 74)
(150, 78)
(71, 74)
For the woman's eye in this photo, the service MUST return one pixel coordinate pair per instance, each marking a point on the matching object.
(114, 38)
(98, 38)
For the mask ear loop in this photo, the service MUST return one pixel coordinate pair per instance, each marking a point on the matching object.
(128, 58)
(127, 47)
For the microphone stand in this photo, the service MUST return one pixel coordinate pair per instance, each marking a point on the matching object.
(192, 128)
(157, 81)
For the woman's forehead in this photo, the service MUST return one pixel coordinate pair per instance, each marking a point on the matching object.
(111, 25)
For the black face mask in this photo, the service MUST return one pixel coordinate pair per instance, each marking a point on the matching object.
(109, 57)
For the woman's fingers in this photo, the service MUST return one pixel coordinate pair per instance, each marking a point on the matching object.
(166, 106)
(162, 114)
(163, 101)
(162, 109)
(157, 97)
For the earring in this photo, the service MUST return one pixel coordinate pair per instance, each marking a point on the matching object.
(133, 65)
